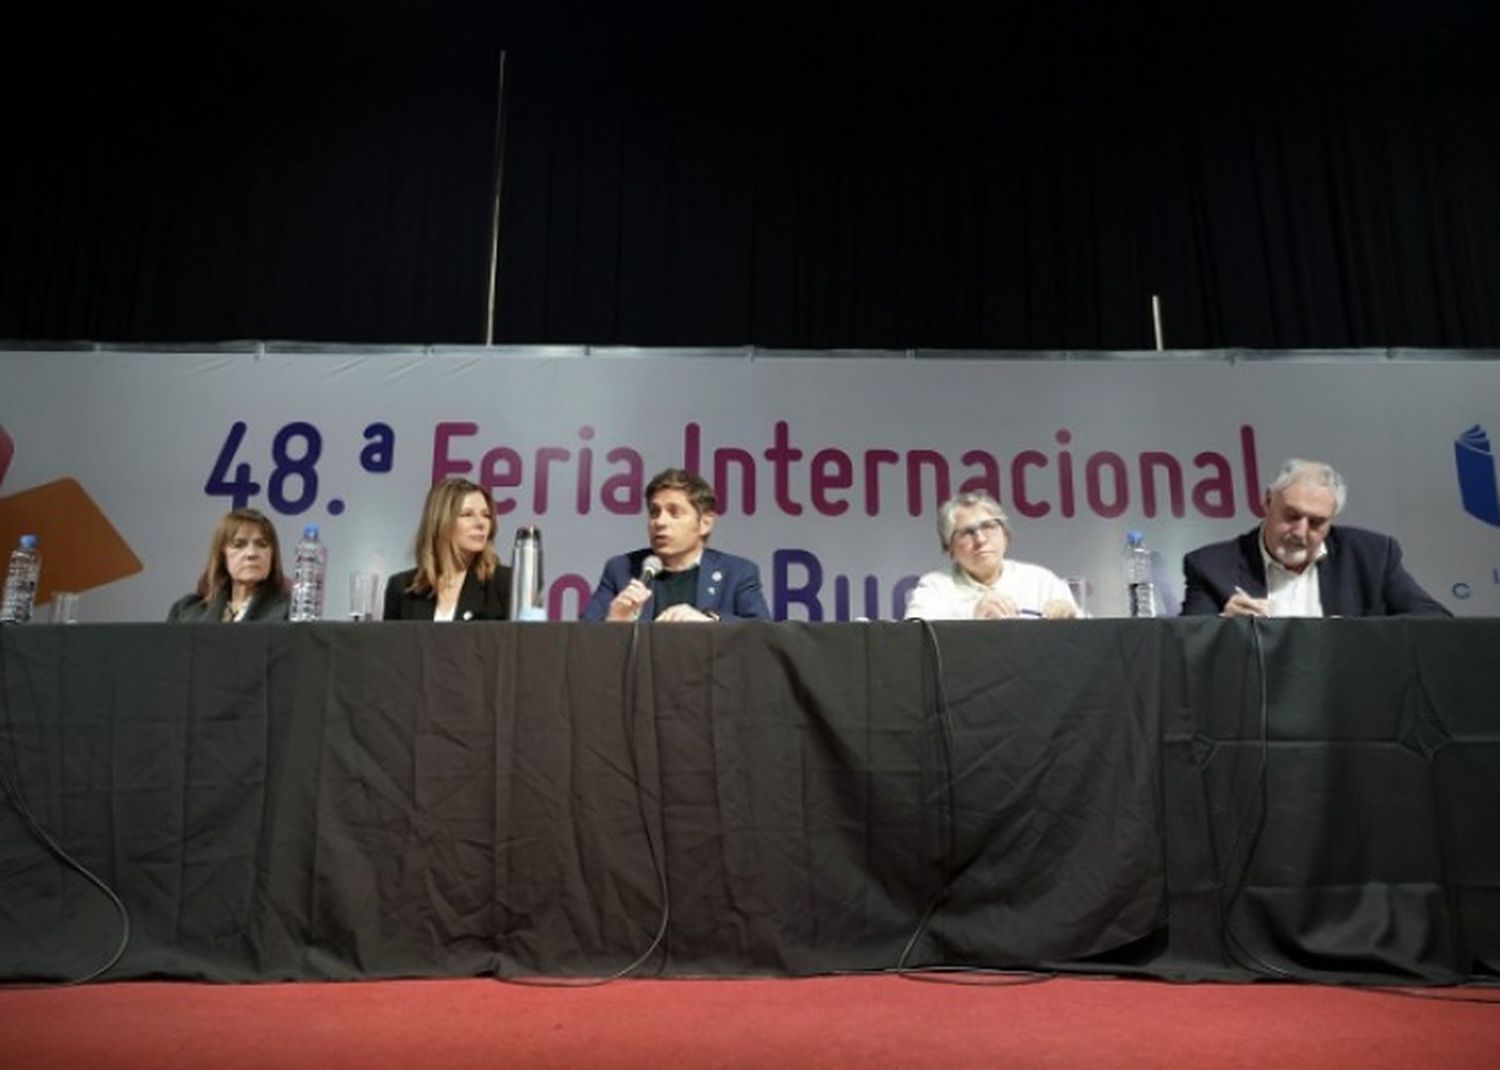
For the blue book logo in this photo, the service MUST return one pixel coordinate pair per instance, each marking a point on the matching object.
(1478, 483)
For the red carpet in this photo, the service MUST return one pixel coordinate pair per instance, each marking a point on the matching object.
(865, 1022)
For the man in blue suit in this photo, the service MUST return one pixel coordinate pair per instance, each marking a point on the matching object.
(1297, 564)
(691, 581)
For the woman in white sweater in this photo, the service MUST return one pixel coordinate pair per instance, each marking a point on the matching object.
(981, 584)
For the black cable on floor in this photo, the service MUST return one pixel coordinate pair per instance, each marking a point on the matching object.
(1241, 955)
(938, 694)
(11, 789)
(630, 715)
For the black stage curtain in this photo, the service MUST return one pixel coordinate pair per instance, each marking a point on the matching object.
(1011, 176)
(341, 801)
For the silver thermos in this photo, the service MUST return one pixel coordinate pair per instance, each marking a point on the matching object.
(526, 587)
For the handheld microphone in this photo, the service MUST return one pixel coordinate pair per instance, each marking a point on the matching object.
(649, 568)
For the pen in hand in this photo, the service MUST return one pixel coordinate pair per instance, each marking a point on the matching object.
(1255, 609)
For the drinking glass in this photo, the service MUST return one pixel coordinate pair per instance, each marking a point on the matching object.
(364, 595)
(64, 607)
(1078, 587)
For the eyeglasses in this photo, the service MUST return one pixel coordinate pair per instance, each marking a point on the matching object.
(987, 528)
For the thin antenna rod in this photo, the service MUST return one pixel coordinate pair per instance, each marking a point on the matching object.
(489, 304)
(1156, 319)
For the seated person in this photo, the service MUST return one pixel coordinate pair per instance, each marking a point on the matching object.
(458, 575)
(694, 581)
(242, 581)
(982, 585)
(1297, 564)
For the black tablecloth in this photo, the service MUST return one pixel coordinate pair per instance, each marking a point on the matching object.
(1188, 798)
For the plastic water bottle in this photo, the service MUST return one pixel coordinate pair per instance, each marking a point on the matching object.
(20, 582)
(1140, 588)
(526, 590)
(308, 575)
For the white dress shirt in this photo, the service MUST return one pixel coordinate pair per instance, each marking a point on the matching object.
(1293, 594)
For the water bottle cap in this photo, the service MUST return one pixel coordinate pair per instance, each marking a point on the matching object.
(1135, 538)
(28, 542)
(528, 534)
(310, 532)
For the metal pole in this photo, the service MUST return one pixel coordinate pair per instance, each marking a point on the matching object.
(489, 304)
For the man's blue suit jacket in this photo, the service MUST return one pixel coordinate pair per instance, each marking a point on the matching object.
(728, 586)
(1362, 576)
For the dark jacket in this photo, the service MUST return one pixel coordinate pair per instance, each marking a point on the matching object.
(265, 605)
(488, 600)
(728, 586)
(1362, 576)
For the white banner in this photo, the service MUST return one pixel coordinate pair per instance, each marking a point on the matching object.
(829, 469)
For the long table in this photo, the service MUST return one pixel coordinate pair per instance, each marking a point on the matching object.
(1183, 798)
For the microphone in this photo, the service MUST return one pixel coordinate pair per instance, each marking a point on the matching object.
(649, 568)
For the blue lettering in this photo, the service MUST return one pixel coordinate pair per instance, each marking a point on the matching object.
(900, 594)
(379, 454)
(784, 595)
(300, 464)
(804, 588)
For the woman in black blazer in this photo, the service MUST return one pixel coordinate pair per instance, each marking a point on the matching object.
(458, 576)
(242, 581)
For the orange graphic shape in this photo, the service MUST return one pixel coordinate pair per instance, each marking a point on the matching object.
(80, 548)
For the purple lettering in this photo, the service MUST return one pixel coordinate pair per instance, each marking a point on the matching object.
(722, 460)
(831, 470)
(692, 446)
(569, 583)
(1252, 471)
(501, 467)
(873, 460)
(1065, 474)
(581, 500)
(1152, 461)
(621, 492)
(915, 460)
(1095, 487)
(442, 465)
(1214, 496)
(544, 458)
(988, 480)
(1018, 495)
(781, 455)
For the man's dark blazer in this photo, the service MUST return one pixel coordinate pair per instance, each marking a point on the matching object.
(266, 605)
(486, 600)
(1362, 576)
(728, 586)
